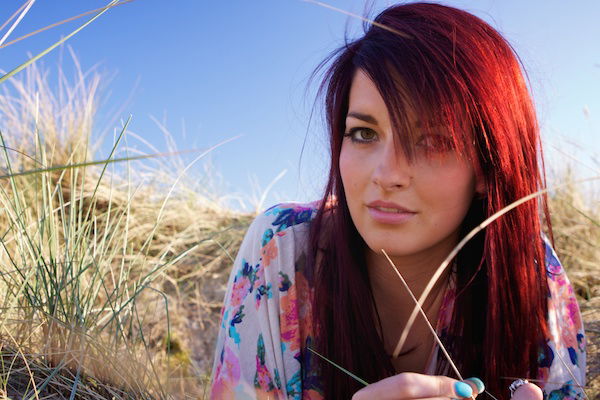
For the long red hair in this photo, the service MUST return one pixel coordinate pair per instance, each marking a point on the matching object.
(455, 69)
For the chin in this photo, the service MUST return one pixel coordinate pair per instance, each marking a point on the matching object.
(396, 248)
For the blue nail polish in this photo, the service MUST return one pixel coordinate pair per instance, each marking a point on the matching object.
(478, 383)
(463, 389)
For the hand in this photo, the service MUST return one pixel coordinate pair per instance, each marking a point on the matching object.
(408, 385)
(529, 391)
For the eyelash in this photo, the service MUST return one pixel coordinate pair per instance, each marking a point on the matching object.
(352, 131)
(440, 144)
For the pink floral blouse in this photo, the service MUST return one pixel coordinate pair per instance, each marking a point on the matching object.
(266, 324)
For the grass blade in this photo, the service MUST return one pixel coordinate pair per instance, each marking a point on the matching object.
(55, 45)
(54, 25)
(13, 15)
(339, 367)
(17, 21)
(92, 163)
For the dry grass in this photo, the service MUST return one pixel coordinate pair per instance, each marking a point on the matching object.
(576, 226)
(96, 262)
(125, 237)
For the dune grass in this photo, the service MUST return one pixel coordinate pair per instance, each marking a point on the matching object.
(105, 269)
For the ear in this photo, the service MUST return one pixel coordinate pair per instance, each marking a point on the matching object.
(481, 191)
(480, 183)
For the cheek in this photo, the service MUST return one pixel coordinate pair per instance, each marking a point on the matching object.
(348, 171)
(352, 172)
(451, 190)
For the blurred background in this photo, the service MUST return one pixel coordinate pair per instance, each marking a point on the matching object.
(208, 71)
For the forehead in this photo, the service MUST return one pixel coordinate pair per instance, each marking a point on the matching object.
(365, 99)
(363, 92)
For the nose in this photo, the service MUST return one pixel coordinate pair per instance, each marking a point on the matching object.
(392, 169)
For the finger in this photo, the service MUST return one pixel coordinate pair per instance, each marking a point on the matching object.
(410, 385)
(529, 391)
(476, 384)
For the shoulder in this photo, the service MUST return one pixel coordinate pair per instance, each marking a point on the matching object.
(553, 266)
(259, 335)
(563, 359)
(288, 214)
(278, 236)
(279, 219)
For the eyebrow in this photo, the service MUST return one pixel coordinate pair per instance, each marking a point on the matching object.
(364, 117)
(370, 119)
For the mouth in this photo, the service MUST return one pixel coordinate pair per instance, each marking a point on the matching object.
(390, 215)
(390, 210)
(388, 207)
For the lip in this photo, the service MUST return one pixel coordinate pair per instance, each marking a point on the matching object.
(389, 217)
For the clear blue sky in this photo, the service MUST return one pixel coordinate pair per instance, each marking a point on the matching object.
(225, 68)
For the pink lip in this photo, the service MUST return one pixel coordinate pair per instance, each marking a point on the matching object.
(389, 217)
(388, 204)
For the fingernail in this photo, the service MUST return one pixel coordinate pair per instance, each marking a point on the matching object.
(479, 383)
(463, 389)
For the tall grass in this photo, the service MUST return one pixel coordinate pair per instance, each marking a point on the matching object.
(96, 261)
(575, 212)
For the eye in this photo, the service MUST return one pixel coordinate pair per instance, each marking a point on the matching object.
(435, 143)
(361, 135)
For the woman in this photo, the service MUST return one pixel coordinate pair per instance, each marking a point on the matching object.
(432, 130)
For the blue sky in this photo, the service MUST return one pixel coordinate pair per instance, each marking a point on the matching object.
(212, 70)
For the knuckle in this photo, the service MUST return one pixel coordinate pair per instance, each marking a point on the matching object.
(405, 384)
(446, 386)
(441, 386)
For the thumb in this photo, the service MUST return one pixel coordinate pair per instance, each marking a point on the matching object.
(528, 391)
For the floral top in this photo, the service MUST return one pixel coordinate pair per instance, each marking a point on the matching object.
(266, 318)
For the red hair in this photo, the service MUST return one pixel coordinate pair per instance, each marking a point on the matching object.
(451, 68)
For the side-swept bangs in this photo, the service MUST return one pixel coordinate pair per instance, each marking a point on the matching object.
(446, 68)
(418, 101)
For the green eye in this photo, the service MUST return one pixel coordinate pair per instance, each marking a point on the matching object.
(361, 135)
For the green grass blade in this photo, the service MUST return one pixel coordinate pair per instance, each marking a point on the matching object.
(586, 216)
(17, 21)
(55, 45)
(341, 368)
(91, 163)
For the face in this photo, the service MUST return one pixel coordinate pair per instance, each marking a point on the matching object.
(408, 208)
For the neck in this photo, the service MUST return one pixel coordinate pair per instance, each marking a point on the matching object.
(416, 269)
(394, 304)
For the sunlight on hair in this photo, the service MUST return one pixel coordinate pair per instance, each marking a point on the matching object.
(454, 252)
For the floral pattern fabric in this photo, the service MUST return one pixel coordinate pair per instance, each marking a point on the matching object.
(266, 325)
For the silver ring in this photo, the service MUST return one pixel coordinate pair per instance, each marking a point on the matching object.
(517, 384)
